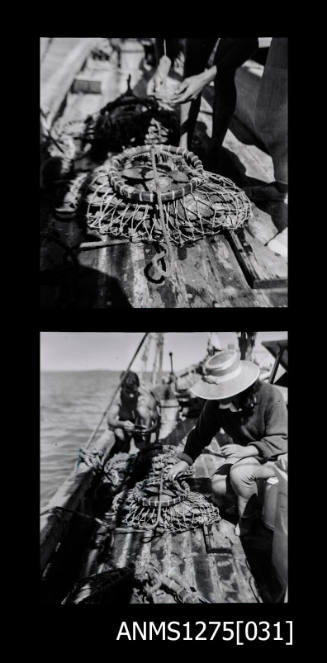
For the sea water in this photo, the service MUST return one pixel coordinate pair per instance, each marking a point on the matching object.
(71, 406)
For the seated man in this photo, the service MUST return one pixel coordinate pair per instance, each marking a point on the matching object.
(254, 417)
(134, 415)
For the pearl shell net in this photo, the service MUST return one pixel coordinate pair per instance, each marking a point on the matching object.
(214, 204)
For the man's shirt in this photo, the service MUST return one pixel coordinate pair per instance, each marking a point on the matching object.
(265, 426)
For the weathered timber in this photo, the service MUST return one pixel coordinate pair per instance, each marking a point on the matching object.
(262, 268)
(68, 496)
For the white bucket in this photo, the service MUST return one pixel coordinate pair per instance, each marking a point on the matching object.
(280, 539)
(270, 502)
(169, 414)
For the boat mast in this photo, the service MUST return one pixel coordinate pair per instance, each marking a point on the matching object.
(158, 358)
(246, 342)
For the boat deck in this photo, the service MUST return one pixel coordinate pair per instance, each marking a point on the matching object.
(220, 566)
(212, 560)
(209, 274)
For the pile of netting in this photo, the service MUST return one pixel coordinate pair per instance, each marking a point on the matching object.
(157, 502)
(59, 146)
(116, 470)
(123, 197)
(129, 121)
(125, 122)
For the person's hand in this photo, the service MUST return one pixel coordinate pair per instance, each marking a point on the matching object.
(128, 426)
(177, 469)
(190, 88)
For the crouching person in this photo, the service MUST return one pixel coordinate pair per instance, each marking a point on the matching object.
(133, 415)
(253, 414)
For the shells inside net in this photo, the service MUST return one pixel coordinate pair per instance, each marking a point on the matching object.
(215, 203)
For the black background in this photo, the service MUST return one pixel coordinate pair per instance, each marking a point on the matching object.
(91, 630)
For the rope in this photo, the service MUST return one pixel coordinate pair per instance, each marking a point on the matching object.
(92, 459)
(160, 502)
(156, 502)
(164, 271)
(76, 513)
(203, 204)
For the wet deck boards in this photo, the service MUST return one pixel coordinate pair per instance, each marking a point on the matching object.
(210, 560)
(205, 275)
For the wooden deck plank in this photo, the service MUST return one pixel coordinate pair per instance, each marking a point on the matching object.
(262, 268)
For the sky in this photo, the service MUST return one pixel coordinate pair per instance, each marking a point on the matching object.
(71, 351)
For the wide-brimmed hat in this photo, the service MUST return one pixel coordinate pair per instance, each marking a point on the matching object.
(224, 376)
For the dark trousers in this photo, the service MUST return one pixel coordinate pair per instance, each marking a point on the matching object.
(230, 54)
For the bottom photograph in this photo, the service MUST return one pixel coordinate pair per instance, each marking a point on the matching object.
(163, 467)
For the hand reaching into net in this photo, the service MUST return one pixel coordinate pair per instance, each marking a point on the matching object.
(178, 469)
(190, 88)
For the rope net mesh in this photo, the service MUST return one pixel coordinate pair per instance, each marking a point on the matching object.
(122, 199)
(123, 123)
(129, 121)
(151, 500)
(152, 192)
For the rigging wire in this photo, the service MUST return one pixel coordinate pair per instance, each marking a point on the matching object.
(92, 436)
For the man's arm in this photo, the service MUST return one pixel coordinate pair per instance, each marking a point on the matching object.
(207, 426)
(230, 54)
(114, 422)
(274, 442)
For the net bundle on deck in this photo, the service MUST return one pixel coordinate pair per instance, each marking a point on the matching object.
(125, 122)
(123, 198)
(116, 471)
(129, 121)
(158, 502)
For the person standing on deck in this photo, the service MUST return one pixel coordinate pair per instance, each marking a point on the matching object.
(133, 415)
(271, 120)
(254, 417)
(226, 55)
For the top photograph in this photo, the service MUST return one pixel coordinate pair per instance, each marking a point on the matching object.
(163, 172)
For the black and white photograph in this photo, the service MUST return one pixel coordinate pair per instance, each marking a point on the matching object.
(164, 468)
(163, 173)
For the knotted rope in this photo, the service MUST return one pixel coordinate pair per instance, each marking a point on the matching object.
(156, 502)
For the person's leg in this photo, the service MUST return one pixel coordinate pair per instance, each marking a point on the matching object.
(231, 54)
(221, 489)
(244, 476)
(271, 115)
(122, 442)
(197, 53)
(223, 108)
